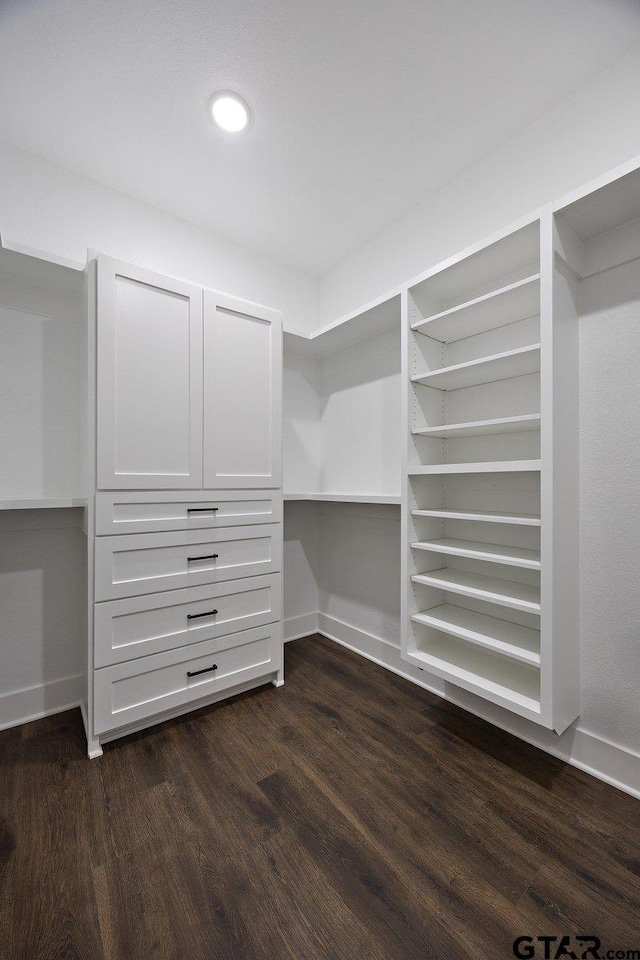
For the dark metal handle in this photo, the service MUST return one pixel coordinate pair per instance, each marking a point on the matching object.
(195, 616)
(196, 673)
(202, 509)
(211, 556)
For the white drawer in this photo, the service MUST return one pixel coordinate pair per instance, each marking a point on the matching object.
(129, 692)
(129, 566)
(139, 626)
(118, 513)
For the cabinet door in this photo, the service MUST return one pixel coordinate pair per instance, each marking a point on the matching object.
(149, 380)
(242, 394)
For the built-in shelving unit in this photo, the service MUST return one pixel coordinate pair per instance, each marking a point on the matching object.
(478, 519)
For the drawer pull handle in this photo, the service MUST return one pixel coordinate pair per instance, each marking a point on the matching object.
(196, 673)
(211, 556)
(202, 509)
(195, 616)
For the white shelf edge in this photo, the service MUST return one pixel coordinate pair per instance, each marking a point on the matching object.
(476, 301)
(478, 588)
(462, 631)
(490, 466)
(519, 423)
(480, 551)
(478, 364)
(370, 320)
(43, 503)
(482, 516)
(478, 684)
(344, 497)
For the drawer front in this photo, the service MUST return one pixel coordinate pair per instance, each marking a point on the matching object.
(139, 626)
(118, 513)
(129, 692)
(132, 565)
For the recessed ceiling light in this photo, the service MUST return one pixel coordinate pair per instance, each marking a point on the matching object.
(229, 111)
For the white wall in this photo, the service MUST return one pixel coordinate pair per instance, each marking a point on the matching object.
(46, 208)
(301, 569)
(359, 571)
(360, 439)
(609, 509)
(41, 628)
(584, 136)
(301, 423)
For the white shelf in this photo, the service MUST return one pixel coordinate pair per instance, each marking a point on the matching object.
(484, 516)
(482, 428)
(504, 681)
(490, 552)
(472, 373)
(374, 319)
(508, 304)
(489, 466)
(43, 503)
(506, 593)
(503, 637)
(344, 497)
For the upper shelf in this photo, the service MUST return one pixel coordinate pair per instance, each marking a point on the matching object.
(508, 304)
(377, 318)
(43, 503)
(471, 373)
(602, 206)
(344, 497)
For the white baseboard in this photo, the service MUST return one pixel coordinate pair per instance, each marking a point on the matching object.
(22, 706)
(302, 626)
(587, 751)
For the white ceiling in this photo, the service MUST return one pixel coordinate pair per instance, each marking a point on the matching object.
(362, 108)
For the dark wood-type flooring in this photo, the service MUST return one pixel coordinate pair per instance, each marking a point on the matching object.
(348, 815)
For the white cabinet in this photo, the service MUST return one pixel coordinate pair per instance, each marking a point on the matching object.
(149, 380)
(185, 515)
(242, 394)
(153, 408)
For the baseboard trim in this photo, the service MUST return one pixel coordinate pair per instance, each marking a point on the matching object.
(33, 703)
(302, 626)
(607, 761)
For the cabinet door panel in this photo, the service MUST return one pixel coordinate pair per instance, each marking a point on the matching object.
(149, 380)
(242, 394)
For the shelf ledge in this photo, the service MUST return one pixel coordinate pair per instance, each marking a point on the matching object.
(508, 304)
(479, 428)
(501, 636)
(344, 497)
(505, 593)
(498, 366)
(483, 516)
(43, 503)
(488, 552)
(489, 466)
